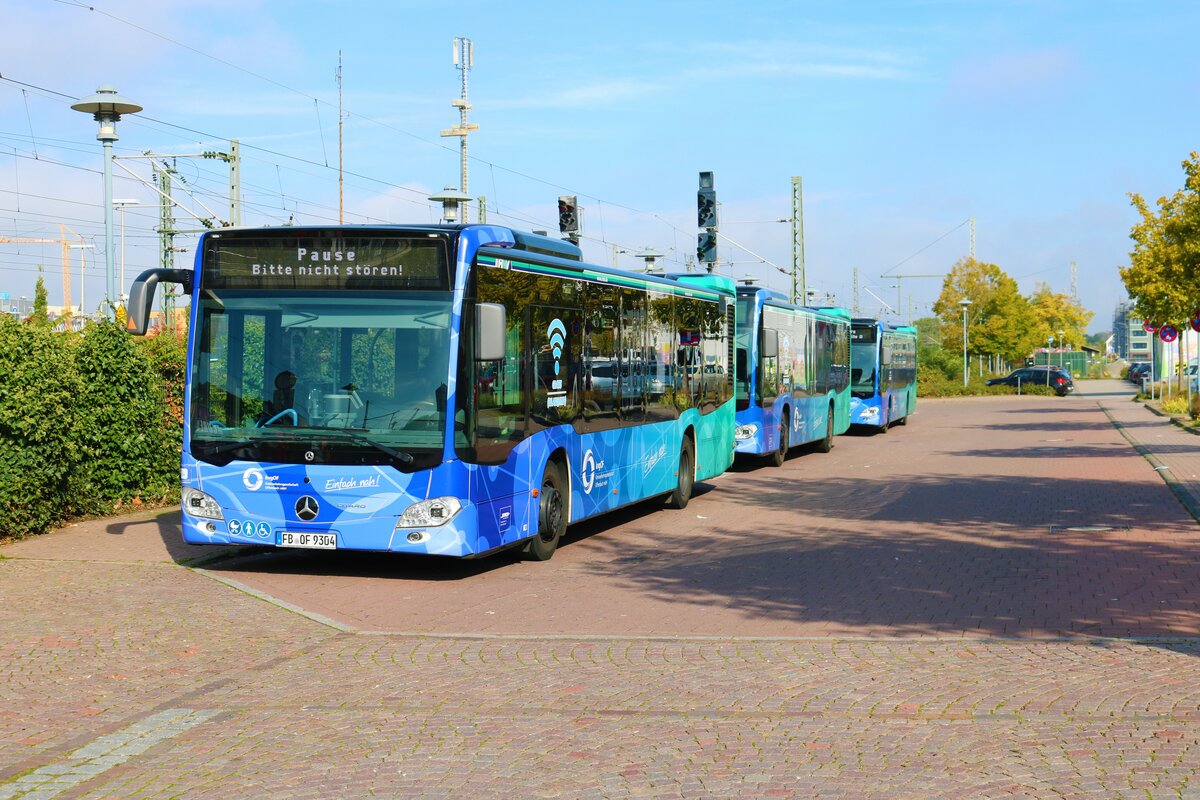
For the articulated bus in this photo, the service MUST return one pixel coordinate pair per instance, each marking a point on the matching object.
(451, 390)
(883, 376)
(793, 374)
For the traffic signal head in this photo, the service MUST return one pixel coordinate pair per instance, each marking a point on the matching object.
(706, 247)
(706, 208)
(568, 214)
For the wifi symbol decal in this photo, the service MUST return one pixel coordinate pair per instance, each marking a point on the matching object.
(558, 337)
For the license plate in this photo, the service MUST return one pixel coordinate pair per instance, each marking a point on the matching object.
(318, 541)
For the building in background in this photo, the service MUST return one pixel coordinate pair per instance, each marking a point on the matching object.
(1120, 329)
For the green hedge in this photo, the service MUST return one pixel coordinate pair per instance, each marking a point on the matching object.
(932, 382)
(89, 422)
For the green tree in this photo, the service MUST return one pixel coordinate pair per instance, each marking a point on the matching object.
(930, 352)
(1054, 312)
(1000, 320)
(1163, 276)
(41, 314)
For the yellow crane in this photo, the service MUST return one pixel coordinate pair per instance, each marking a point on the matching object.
(66, 257)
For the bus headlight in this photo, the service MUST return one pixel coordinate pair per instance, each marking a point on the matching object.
(200, 504)
(745, 432)
(429, 513)
(870, 412)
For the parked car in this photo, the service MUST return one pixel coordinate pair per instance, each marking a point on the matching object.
(1138, 371)
(1055, 377)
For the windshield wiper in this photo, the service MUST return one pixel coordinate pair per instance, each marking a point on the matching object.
(214, 449)
(399, 455)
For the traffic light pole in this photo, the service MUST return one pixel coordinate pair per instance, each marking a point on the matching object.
(706, 218)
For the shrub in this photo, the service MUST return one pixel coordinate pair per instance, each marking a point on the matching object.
(127, 452)
(932, 382)
(1176, 405)
(88, 422)
(39, 393)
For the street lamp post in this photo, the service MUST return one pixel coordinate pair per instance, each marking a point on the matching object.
(1049, 349)
(82, 248)
(106, 107)
(122, 204)
(1061, 340)
(966, 364)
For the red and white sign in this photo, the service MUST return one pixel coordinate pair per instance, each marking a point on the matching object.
(1168, 333)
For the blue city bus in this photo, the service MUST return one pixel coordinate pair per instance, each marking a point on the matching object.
(793, 374)
(452, 390)
(883, 374)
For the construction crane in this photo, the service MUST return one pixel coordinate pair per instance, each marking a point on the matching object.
(66, 257)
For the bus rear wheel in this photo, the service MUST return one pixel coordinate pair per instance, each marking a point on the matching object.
(686, 477)
(826, 444)
(552, 515)
(781, 452)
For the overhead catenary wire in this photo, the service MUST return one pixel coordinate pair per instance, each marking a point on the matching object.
(317, 101)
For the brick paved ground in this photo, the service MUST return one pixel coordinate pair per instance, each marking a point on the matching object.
(807, 640)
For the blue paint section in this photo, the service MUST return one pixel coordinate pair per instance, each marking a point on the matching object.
(360, 506)
(867, 411)
(895, 397)
(807, 418)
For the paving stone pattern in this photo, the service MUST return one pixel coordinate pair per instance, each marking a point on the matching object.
(962, 644)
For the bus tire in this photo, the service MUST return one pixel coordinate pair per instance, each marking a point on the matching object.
(686, 477)
(826, 444)
(781, 453)
(552, 515)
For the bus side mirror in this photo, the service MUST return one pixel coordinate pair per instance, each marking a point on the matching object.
(491, 331)
(770, 344)
(141, 295)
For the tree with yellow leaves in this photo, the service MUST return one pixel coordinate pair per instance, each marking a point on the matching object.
(1163, 276)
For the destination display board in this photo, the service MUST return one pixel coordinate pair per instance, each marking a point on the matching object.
(862, 334)
(296, 260)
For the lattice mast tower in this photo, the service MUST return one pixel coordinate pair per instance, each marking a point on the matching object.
(464, 59)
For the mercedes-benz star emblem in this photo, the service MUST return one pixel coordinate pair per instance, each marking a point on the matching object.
(307, 508)
(309, 455)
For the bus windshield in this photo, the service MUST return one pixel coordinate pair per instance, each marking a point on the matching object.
(864, 358)
(348, 377)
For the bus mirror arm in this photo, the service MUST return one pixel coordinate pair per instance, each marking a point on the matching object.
(141, 295)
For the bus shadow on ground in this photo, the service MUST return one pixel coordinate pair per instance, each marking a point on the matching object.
(942, 556)
(423, 568)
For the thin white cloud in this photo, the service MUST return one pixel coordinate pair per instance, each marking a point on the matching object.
(605, 93)
(1015, 74)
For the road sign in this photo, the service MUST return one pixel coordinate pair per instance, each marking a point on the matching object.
(1168, 333)
(1196, 322)
(1149, 327)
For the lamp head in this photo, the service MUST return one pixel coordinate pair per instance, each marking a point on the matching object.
(106, 107)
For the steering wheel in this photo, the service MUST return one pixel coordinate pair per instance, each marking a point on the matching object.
(286, 412)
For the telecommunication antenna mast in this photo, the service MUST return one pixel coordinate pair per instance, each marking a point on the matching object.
(341, 174)
(464, 59)
(971, 246)
(1074, 283)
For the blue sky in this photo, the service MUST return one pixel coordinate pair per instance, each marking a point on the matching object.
(904, 119)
